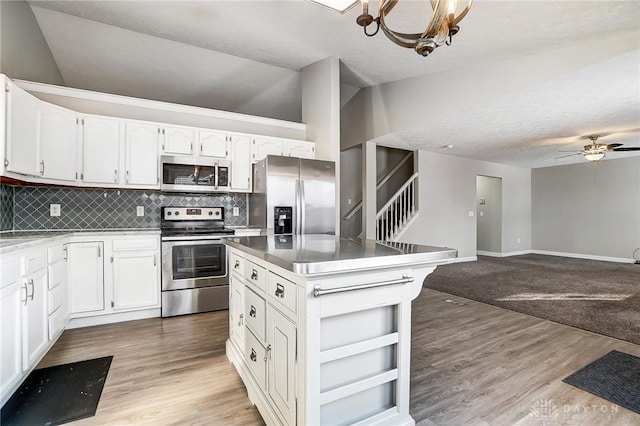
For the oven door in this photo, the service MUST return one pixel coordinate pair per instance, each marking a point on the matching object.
(193, 264)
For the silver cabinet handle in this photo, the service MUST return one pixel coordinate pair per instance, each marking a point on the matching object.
(33, 289)
(237, 265)
(66, 253)
(99, 252)
(254, 355)
(319, 291)
(42, 167)
(201, 148)
(252, 312)
(155, 262)
(240, 318)
(254, 275)
(115, 176)
(26, 294)
(126, 177)
(267, 351)
(279, 291)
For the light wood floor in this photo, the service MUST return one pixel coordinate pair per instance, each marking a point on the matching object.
(472, 364)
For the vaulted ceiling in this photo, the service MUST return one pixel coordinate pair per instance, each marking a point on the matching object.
(245, 56)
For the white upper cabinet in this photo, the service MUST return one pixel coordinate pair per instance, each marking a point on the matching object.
(141, 160)
(262, 147)
(299, 149)
(213, 144)
(240, 163)
(58, 147)
(23, 132)
(178, 140)
(101, 150)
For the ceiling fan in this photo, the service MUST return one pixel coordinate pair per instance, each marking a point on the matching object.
(596, 151)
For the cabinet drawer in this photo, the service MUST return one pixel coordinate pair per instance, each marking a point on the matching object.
(236, 263)
(255, 313)
(256, 275)
(135, 244)
(56, 298)
(56, 323)
(33, 261)
(256, 359)
(57, 273)
(9, 271)
(55, 253)
(284, 292)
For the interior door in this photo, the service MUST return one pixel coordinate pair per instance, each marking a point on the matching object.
(318, 191)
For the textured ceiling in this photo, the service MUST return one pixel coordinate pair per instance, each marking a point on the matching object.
(244, 56)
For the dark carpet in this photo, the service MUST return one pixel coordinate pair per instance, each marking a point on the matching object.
(58, 394)
(614, 377)
(553, 288)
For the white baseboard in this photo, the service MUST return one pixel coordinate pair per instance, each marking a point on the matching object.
(463, 259)
(507, 254)
(111, 318)
(584, 256)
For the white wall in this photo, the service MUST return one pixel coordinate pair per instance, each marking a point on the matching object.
(588, 209)
(489, 214)
(447, 193)
(24, 53)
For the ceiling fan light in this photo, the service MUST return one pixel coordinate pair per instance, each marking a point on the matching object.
(594, 156)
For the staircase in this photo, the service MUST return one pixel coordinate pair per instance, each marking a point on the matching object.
(399, 212)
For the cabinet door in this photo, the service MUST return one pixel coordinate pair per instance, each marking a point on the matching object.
(281, 338)
(141, 154)
(213, 144)
(12, 297)
(178, 140)
(236, 311)
(85, 277)
(23, 132)
(58, 132)
(136, 282)
(35, 318)
(261, 147)
(240, 163)
(300, 149)
(101, 149)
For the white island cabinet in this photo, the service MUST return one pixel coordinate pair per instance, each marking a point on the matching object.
(321, 333)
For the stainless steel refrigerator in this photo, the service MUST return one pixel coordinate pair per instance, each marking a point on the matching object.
(293, 196)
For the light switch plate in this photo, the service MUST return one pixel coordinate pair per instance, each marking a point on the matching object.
(236, 211)
(139, 211)
(54, 210)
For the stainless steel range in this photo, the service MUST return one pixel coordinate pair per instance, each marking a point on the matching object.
(194, 260)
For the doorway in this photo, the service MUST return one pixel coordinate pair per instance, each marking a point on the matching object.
(489, 215)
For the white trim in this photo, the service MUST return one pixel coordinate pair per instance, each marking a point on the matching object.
(406, 226)
(70, 92)
(111, 318)
(463, 259)
(507, 254)
(584, 256)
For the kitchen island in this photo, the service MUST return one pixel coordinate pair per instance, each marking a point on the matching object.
(320, 326)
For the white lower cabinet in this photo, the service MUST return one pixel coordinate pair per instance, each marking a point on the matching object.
(12, 295)
(86, 277)
(236, 310)
(281, 363)
(135, 280)
(35, 318)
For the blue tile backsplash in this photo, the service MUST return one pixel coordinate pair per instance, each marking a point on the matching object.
(104, 208)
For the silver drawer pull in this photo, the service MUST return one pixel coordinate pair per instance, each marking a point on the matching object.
(252, 312)
(254, 275)
(268, 351)
(237, 265)
(26, 294)
(280, 291)
(253, 356)
(33, 288)
(240, 318)
(318, 291)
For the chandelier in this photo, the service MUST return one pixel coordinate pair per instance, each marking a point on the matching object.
(442, 27)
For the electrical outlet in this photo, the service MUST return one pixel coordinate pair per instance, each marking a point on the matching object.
(54, 210)
(139, 211)
(236, 211)
(471, 214)
(518, 240)
(349, 201)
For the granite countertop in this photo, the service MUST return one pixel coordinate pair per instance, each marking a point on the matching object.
(319, 254)
(13, 240)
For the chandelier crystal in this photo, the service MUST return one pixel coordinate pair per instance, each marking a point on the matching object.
(440, 30)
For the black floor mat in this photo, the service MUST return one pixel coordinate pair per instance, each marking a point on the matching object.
(614, 377)
(57, 395)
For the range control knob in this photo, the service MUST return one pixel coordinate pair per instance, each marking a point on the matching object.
(217, 213)
(210, 213)
(177, 213)
(168, 213)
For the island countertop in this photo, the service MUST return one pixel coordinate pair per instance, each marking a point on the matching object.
(323, 254)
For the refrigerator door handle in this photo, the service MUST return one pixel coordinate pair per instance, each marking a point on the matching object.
(298, 211)
(303, 208)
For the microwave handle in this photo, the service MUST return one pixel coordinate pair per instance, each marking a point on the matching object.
(215, 172)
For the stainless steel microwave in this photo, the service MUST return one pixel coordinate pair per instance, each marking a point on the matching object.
(194, 174)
